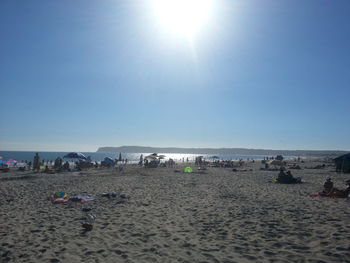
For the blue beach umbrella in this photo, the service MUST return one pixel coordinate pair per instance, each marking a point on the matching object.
(75, 155)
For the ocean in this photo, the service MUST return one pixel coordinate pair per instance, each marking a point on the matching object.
(132, 157)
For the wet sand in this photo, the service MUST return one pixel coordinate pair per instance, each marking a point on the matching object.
(214, 216)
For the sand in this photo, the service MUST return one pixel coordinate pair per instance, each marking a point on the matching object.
(216, 216)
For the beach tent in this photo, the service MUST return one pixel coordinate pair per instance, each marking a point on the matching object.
(75, 155)
(188, 170)
(342, 163)
(109, 161)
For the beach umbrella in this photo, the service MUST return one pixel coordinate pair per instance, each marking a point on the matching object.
(11, 161)
(75, 155)
(161, 156)
(188, 170)
(150, 157)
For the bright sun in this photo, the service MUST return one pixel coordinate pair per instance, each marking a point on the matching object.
(185, 17)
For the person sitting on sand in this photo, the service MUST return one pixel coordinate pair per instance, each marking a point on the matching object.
(335, 192)
(341, 193)
(328, 186)
(281, 175)
(286, 177)
(346, 191)
(289, 176)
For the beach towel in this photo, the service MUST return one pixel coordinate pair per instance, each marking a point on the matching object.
(80, 198)
(327, 196)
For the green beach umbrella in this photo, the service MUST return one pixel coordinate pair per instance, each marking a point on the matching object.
(188, 170)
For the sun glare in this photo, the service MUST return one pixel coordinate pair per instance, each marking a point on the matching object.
(183, 17)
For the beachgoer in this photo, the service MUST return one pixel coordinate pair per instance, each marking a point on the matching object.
(328, 186)
(36, 162)
(281, 175)
(289, 176)
(340, 193)
(286, 177)
(347, 189)
(58, 163)
(66, 166)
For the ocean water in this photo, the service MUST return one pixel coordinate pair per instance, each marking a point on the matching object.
(132, 157)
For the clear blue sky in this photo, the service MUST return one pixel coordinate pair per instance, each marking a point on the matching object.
(76, 75)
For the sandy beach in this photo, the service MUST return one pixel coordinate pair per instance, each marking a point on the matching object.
(216, 215)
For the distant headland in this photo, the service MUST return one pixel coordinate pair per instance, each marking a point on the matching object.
(218, 151)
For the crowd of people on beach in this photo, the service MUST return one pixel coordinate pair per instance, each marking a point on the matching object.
(154, 160)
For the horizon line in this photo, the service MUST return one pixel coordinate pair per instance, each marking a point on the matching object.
(213, 148)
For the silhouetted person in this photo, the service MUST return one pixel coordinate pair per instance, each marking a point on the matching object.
(281, 175)
(289, 175)
(328, 186)
(141, 160)
(66, 166)
(36, 162)
(58, 163)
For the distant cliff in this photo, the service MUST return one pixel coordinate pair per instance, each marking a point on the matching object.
(220, 151)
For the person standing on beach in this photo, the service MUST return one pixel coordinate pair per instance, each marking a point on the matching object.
(36, 162)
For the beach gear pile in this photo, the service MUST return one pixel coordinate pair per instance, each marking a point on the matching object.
(59, 198)
(64, 198)
(289, 181)
(89, 219)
